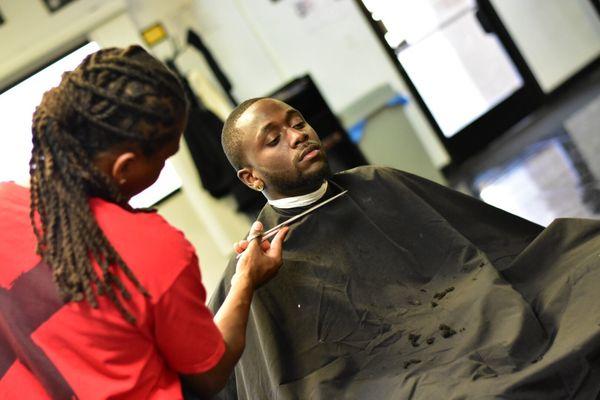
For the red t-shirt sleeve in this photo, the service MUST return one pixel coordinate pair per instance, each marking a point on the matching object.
(185, 331)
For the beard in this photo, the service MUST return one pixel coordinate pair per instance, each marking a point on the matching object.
(296, 182)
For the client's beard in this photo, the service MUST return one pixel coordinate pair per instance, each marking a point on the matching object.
(296, 183)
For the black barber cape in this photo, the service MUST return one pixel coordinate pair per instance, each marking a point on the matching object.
(404, 289)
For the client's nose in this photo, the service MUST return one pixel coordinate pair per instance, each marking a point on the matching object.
(296, 137)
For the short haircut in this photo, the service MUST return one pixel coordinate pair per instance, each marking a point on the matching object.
(231, 137)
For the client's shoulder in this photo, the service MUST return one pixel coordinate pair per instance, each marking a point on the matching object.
(369, 173)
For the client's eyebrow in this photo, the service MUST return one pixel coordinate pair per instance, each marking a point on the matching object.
(265, 129)
(271, 125)
(291, 113)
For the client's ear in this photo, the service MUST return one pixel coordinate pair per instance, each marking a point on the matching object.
(247, 176)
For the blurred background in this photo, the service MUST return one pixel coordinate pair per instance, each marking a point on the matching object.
(499, 99)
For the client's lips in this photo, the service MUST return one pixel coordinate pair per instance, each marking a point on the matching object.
(307, 150)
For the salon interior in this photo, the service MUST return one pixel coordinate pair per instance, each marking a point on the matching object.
(499, 99)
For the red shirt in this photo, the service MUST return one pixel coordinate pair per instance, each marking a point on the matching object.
(96, 351)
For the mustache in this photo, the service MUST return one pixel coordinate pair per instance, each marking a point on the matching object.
(309, 146)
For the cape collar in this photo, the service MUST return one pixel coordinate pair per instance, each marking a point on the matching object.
(299, 201)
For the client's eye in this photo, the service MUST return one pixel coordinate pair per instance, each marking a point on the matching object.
(273, 142)
(299, 125)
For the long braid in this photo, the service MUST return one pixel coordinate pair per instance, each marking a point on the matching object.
(112, 97)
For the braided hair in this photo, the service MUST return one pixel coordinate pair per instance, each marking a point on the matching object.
(114, 97)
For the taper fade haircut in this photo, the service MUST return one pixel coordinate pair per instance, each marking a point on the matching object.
(231, 136)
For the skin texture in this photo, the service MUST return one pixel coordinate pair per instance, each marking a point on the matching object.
(282, 151)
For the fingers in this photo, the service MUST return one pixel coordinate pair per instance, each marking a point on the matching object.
(260, 260)
(277, 242)
(265, 245)
(240, 246)
(255, 230)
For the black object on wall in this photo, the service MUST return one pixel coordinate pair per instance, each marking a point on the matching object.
(303, 95)
(203, 138)
(194, 40)
(55, 5)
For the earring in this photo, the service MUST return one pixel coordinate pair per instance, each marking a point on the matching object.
(122, 181)
(259, 186)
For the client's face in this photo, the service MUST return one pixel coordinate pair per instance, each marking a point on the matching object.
(281, 149)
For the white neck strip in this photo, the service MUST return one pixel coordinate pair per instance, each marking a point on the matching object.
(300, 201)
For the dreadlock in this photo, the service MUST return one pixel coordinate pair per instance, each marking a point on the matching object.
(115, 96)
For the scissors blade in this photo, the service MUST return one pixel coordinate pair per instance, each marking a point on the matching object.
(273, 231)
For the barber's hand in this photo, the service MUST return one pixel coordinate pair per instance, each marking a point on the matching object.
(242, 245)
(259, 261)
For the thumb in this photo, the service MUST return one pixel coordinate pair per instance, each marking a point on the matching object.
(255, 229)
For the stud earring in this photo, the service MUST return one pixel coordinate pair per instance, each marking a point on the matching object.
(259, 186)
(122, 181)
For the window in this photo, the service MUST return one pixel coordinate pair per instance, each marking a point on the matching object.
(460, 71)
(17, 105)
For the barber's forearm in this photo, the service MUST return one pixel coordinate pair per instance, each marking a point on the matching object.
(232, 317)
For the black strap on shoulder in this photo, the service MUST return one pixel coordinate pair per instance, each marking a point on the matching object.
(32, 299)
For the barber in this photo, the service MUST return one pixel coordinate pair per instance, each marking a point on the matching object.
(98, 300)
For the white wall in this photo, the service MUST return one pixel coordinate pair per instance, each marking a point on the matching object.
(31, 35)
(263, 44)
(556, 37)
